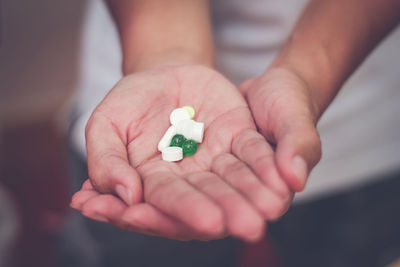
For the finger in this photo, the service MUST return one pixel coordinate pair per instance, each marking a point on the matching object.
(242, 220)
(109, 168)
(252, 148)
(108, 208)
(104, 207)
(298, 151)
(238, 175)
(141, 218)
(175, 197)
(81, 197)
(87, 185)
(145, 217)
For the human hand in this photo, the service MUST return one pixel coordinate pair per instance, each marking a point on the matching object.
(228, 187)
(286, 114)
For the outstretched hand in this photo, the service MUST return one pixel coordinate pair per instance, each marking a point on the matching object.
(230, 186)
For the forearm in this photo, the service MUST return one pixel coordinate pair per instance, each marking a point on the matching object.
(331, 38)
(155, 32)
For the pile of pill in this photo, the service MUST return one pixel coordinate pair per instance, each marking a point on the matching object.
(183, 136)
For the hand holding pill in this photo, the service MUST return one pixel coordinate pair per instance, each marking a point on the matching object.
(220, 188)
(189, 133)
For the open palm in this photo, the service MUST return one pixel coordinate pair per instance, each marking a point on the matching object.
(228, 187)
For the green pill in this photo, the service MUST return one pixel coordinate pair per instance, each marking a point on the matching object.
(177, 140)
(189, 147)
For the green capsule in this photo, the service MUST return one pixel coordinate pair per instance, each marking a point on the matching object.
(177, 140)
(189, 147)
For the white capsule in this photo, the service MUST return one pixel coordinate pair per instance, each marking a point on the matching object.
(178, 115)
(167, 137)
(172, 153)
(191, 130)
(197, 132)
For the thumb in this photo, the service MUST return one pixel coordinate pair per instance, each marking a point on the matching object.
(108, 164)
(298, 150)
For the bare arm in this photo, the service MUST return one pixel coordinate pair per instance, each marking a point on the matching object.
(157, 31)
(332, 37)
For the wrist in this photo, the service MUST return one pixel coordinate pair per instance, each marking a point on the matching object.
(284, 77)
(171, 57)
(312, 65)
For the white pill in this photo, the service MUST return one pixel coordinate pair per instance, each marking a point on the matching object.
(184, 128)
(191, 130)
(172, 153)
(197, 132)
(190, 110)
(178, 115)
(166, 139)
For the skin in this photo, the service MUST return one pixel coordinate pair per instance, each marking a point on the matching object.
(222, 189)
(240, 176)
(329, 41)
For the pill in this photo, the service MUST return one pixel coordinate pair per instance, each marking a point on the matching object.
(177, 140)
(172, 153)
(166, 139)
(184, 128)
(178, 115)
(197, 132)
(190, 110)
(191, 130)
(189, 147)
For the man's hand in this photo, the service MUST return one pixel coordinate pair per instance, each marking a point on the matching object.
(285, 114)
(228, 187)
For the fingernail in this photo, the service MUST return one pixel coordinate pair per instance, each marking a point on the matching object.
(124, 193)
(299, 168)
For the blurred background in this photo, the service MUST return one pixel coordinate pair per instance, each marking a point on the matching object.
(44, 53)
(37, 40)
